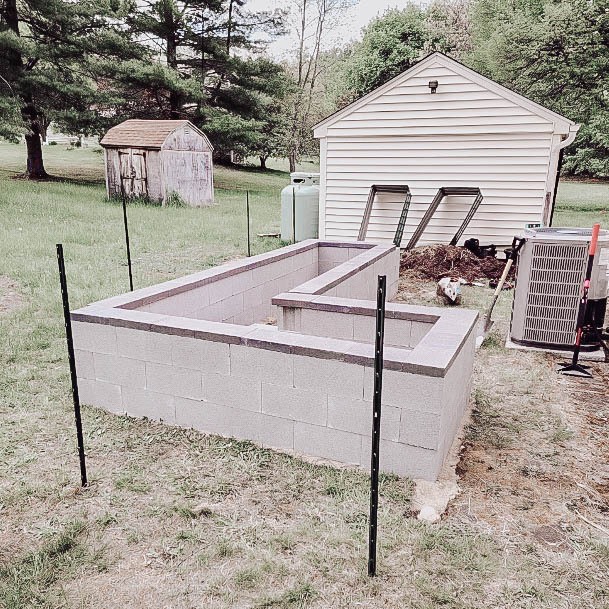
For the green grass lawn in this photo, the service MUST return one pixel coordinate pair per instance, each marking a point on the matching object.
(582, 204)
(174, 518)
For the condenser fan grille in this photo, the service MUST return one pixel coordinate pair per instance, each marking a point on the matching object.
(554, 290)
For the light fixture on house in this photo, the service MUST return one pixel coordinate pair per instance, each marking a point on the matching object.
(433, 85)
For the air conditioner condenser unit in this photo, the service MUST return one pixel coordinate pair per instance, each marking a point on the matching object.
(551, 271)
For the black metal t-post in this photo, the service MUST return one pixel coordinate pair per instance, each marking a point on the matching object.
(127, 240)
(247, 207)
(75, 397)
(294, 215)
(376, 422)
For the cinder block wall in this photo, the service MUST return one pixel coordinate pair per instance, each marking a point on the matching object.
(244, 297)
(314, 406)
(308, 390)
(402, 333)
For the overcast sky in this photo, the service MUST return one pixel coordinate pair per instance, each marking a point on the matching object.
(349, 29)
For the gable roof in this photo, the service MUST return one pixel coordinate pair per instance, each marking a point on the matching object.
(562, 124)
(136, 133)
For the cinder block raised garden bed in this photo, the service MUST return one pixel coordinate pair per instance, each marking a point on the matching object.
(194, 352)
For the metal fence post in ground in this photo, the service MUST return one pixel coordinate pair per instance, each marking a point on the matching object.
(127, 241)
(247, 207)
(294, 215)
(75, 397)
(376, 422)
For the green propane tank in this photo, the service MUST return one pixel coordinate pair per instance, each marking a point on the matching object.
(303, 194)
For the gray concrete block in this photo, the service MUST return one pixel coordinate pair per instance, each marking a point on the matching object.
(84, 364)
(149, 404)
(327, 443)
(183, 303)
(324, 267)
(205, 416)
(404, 460)
(270, 431)
(307, 405)
(289, 319)
(170, 305)
(145, 346)
(208, 417)
(174, 380)
(420, 429)
(98, 338)
(364, 328)
(418, 332)
(398, 332)
(100, 394)
(329, 375)
(253, 296)
(324, 323)
(335, 255)
(261, 364)
(119, 370)
(223, 289)
(204, 355)
(406, 390)
(355, 416)
(237, 392)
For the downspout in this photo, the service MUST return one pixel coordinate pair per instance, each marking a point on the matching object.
(566, 142)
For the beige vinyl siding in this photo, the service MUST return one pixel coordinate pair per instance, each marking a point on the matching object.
(464, 135)
(511, 171)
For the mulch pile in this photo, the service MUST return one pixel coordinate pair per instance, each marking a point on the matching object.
(437, 261)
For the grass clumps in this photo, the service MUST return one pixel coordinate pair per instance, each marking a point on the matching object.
(489, 426)
(298, 597)
(27, 581)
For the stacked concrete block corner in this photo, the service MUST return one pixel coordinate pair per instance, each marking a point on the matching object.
(194, 352)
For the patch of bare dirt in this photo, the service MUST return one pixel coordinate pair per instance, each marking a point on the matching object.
(534, 465)
(10, 296)
(437, 261)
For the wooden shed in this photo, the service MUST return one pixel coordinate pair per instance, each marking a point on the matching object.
(158, 159)
(469, 131)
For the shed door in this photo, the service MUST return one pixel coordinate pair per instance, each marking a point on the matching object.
(133, 172)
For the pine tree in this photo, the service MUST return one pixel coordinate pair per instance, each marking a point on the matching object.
(204, 50)
(54, 55)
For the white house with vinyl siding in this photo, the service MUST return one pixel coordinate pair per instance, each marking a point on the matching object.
(470, 132)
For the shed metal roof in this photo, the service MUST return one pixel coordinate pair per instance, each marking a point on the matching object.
(136, 133)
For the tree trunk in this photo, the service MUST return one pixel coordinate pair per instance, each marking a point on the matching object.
(33, 141)
(35, 164)
(229, 27)
(292, 159)
(262, 162)
(171, 26)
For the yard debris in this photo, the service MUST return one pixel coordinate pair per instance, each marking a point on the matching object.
(449, 288)
(269, 235)
(429, 514)
(437, 261)
(480, 251)
(202, 510)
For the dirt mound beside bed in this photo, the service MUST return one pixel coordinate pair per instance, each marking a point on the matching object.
(437, 261)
